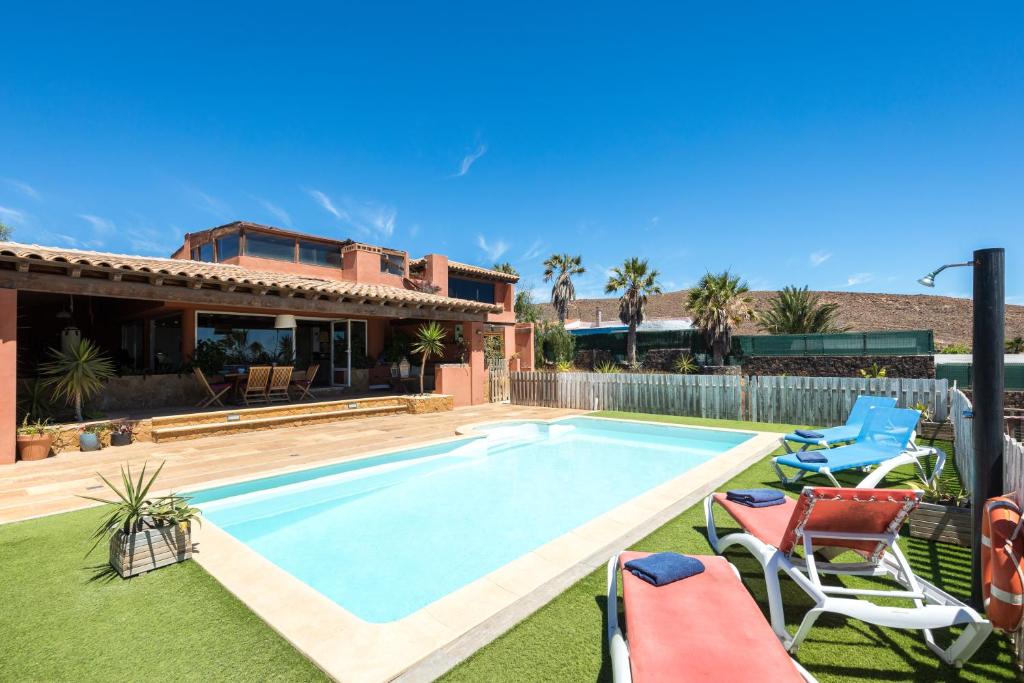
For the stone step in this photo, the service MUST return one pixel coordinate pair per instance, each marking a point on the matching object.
(274, 410)
(193, 431)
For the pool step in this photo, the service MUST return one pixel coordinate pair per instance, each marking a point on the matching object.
(275, 410)
(177, 431)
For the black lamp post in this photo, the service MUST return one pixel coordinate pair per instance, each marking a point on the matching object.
(987, 389)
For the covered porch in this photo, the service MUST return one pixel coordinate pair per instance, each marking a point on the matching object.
(157, 319)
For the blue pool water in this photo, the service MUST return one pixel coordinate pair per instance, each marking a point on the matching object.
(386, 536)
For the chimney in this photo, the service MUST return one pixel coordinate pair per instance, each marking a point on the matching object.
(597, 316)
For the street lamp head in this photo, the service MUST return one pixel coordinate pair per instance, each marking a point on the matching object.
(928, 280)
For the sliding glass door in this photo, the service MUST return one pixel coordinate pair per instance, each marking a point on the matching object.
(348, 340)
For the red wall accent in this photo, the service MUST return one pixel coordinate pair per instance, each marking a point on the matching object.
(8, 374)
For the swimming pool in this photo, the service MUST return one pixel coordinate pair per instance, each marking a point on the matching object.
(385, 536)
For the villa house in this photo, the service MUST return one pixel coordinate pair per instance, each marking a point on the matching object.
(278, 295)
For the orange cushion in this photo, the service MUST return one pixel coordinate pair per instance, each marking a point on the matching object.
(767, 524)
(703, 628)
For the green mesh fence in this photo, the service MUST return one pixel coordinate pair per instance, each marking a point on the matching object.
(961, 373)
(904, 343)
(615, 342)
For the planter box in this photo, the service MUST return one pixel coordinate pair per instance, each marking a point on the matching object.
(143, 551)
(942, 523)
(926, 429)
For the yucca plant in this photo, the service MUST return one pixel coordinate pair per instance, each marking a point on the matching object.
(429, 342)
(77, 374)
(608, 368)
(133, 509)
(564, 366)
(685, 365)
(876, 371)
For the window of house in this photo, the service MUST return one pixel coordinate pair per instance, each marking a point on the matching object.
(244, 339)
(319, 254)
(473, 290)
(392, 263)
(227, 246)
(204, 252)
(269, 246)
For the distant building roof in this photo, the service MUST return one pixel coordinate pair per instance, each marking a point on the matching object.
(583, 327)
(467, 269)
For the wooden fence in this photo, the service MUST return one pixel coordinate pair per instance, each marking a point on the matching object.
(497, 380)
(690, 395)
(963, 437)
(792, 400)
(828, 400)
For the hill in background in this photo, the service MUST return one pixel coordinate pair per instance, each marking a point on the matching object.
(948, 317)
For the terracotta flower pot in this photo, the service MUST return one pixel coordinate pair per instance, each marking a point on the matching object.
(34, 446)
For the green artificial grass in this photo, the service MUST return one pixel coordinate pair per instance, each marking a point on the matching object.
(564, 640)
(64, 617)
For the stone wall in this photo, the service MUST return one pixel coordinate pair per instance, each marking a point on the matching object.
(1011, 399)
(839, 366)
(132, 392)
(588, 359)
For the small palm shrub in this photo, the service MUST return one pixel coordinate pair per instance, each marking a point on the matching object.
(1015, 345)
(77, 374)
(608, 368)
(956, 348)
(685, 365)
(876, 371)
(564, 366)
(429, 342)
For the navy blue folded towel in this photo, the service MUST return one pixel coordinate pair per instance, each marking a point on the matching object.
(809, 434)
(756, 498)
(811, 457)
(661, 568)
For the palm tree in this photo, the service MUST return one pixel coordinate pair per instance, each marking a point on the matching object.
(636, 283)
(718, 303)
(506, 267)
(77, 374)
(561, 268)
(796, 310)
(429, 342)
(1015, 345)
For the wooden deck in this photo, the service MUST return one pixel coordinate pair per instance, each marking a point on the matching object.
(32, 489)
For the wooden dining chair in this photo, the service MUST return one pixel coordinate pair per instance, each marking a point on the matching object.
(305, 383)
(280, 378)
(256, 384)
(215, 390)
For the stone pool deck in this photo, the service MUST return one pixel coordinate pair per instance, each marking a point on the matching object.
(44, 487)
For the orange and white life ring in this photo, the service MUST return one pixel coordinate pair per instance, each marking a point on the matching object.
(1002, 577)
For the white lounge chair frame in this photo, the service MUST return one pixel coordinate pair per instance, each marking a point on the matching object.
(933, 607)
(617, 645)
(912, 456)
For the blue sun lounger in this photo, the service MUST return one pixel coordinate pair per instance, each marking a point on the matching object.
(848, 432)
(885, 441)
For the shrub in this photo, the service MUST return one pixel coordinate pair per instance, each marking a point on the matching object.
(608, 368)
(685, 365)
(956, 348)
(555, 344)
(564, 366)
(876, 371)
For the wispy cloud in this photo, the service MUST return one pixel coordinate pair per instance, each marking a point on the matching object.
(493, 250)
(9, 215)
(859, 279)
(819, 257)
(99, 224)
(208, 202)
(414, 230)
(470, 159)
(380, 217)
(276, 211)
(535, 250)
(23, 187)
(326, 204)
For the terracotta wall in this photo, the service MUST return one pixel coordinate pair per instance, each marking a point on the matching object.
(456, 381)
(8, 374)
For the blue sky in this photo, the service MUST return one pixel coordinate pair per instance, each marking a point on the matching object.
(845, 146)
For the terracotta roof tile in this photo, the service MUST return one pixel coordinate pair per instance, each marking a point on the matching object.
(468, 269)
(225, 273)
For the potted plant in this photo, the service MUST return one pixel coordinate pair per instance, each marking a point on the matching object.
(121, 434)
(145, 533)
(90, 437)
(34, 439)
(944, 514)
(429, 342)
(77, 373)
(361, 366)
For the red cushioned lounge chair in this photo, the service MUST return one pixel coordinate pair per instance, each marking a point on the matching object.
(703, 628)
(831, 521)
